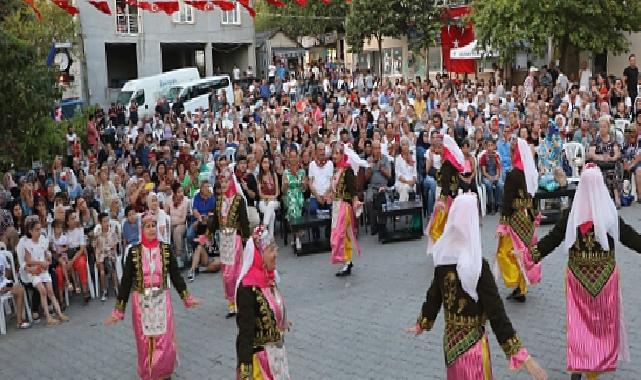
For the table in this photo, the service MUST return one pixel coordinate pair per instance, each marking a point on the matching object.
(310, 222)
(393, 210)
(551, 216)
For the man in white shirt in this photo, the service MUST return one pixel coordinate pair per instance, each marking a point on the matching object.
(236, 72)
(433, 163)
(320, 180)
(271, 73)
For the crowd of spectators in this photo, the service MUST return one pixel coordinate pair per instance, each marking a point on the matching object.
(68, 223)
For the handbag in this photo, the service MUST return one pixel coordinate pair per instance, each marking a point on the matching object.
(227, 246)
(153, 311)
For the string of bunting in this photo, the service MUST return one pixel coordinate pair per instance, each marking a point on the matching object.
(167, 6)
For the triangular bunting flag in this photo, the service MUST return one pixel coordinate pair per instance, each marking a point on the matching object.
(66, 6)
(101, 5)
(245, 4)
(225, 5)
(169, 7)
(35, 9)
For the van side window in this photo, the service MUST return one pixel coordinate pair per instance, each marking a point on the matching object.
(140, 97)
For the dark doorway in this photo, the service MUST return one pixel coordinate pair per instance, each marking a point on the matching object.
(178, 56)
(122, 64)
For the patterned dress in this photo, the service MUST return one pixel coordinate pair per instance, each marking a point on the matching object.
(611, 172)
(294, 194)
(517, 229)
(596, 337)
(465, 344)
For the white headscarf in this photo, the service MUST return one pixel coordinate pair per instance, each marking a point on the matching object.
(529, 167)
(592, 202)
(353, 159)
(460, 243)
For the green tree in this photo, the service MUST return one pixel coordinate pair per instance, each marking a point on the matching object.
(376, 19)
(28, 88)
(423, 25)
(312, 19)
(573, 25)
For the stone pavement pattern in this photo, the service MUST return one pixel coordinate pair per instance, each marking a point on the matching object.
(342, 328)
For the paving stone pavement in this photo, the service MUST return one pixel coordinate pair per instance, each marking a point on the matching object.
(343, 328)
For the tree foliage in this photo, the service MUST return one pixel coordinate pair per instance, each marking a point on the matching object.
(373, 19)
(595, 25)
(28, 88)
(314, 18)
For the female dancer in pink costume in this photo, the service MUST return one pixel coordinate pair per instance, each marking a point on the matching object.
(231, 220)
(464, 285)
(148, 268)
(596, 336)
(344, 225)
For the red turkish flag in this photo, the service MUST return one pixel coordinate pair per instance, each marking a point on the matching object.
(146, 5)
(302, 3)
(245, 4)
(169, 7)
(101, 5)
(66, 6)
(225, 5)
(454, 37)
(201, 5)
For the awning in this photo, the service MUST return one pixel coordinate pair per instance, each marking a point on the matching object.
(472, 51)
(288, 52)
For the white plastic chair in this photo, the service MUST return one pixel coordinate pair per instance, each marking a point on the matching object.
(575, 153)
(22, 274)
(480, 186)
(7, 302)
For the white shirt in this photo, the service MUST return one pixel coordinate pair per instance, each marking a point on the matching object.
(236, 72)
(271, 71)
(321, 176)
(403, 169)
(76, 238)
(435, 160)
(38, 251)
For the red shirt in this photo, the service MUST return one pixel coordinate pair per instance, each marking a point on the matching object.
(92, 134)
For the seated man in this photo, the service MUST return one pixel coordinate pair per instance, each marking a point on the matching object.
(491, 170)
(377, 175)
(432, 167)
(9, 285)
(320, 180)
(203, 208)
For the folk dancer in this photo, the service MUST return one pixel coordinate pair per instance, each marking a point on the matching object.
(596, 336)
(149, 266)
(262, 317)
(516, 230)
(453, 164)
(343, 238)
(465, 286)
(230, 219)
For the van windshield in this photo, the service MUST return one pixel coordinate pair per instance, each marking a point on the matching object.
(173, 93)
(217, 84)
(124, 98)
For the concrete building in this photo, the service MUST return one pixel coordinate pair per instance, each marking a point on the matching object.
(618, 63)
(272, 45)
(133, 43)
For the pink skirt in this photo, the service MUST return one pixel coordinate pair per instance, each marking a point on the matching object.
(473, 364)
(231, 272)
(344, 231)
(157, 354)
(595, 332)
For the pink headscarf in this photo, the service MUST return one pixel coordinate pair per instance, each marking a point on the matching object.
(257, 275)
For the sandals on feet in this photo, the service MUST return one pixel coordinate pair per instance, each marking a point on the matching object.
(52, 322)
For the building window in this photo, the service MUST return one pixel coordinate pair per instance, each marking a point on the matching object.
(232, 17)
(185, 13)
(127, 18)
